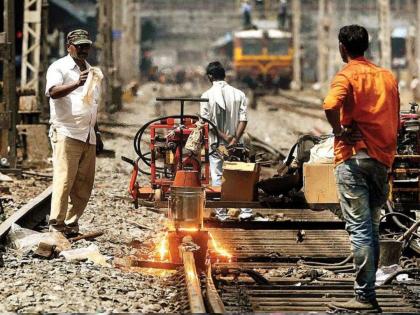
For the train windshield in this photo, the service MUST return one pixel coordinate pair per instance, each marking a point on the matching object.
(251, 46)
(278, 46)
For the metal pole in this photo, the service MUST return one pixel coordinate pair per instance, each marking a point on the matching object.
(384, 33)
(105, 44)
(9, 77)
(418, 40)
(321, 42)
(43, 66)
(296, 44)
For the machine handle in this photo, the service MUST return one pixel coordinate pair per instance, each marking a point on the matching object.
(128, 160)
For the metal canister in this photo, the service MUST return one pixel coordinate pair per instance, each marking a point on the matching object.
(186, 207)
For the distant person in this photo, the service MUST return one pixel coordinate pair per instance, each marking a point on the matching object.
(259, 4)
(414, 87)
(362, 108)
(282, 14)
(246, 14)
(74, 134)
(227, 109)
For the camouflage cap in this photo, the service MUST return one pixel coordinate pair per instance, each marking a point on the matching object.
(78, 37)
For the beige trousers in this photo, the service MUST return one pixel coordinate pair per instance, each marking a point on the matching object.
(73, 176)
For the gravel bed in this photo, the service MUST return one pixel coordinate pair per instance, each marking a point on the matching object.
(16, 193)
(59, 286)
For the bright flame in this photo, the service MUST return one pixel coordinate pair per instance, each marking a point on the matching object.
(163, 247)
(220, 250)
(191, 229)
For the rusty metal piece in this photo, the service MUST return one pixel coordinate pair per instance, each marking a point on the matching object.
(5, 118)
(193, 283)
(36, 148)
(200, 238)
(31, 214)
(21, 91)
(45, 250)
(133, 262)
(86, 236)
(390, 252)
(213, 301)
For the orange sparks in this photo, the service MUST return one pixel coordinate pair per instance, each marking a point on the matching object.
(163, 247)
(188, 229)
(220, 250)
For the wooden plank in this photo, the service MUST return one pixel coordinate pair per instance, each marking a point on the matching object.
(30, 214)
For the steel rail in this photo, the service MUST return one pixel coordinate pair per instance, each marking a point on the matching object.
(213, 300)
(30, 215)
(195, 296)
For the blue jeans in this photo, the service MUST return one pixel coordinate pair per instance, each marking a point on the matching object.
(363, 190)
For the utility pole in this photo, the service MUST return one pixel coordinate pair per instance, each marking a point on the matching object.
(8, 108)
(105, 46)
(332, 42)
(126, 26)
(31, 44)
(384, 33)
(323, 31)
(43, 63)
(296, 44)
(417, 90)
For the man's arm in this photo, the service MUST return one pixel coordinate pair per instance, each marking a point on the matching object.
(238, 133)
(205, 113)
(243, 121)
(58, 91)
(333, 117)
(99, 142)
(340, 88)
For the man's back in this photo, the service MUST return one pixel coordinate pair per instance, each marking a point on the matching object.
(370, 100)
(226, 106)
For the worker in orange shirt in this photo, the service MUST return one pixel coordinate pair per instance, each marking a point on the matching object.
(362, 107)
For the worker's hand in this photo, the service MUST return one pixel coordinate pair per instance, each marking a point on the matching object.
(99, 143)
(350, 135)
(82, 78)
(232, 142)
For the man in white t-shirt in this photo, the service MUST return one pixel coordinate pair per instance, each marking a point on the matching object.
(74, 134)
(227, 109)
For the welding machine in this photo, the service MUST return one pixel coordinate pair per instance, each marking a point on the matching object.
(177, 142)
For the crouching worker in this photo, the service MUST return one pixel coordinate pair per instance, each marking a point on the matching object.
(227, 109)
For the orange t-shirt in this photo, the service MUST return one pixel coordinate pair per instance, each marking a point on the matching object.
(368, 97)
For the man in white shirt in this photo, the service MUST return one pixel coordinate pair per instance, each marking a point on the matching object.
(227, 109)
(74, 134)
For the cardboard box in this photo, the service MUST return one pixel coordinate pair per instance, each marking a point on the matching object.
(319, 184)
(239, 181)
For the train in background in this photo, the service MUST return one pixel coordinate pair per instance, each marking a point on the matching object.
(260, 59)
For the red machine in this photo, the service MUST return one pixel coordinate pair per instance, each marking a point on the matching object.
(179, 142)
(406, 169)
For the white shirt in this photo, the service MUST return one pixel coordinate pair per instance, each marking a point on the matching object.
(226, 107)
(69, 116)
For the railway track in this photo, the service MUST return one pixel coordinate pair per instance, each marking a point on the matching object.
(267, 273)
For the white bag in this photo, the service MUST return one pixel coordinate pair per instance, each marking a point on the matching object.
(93, 81)
(323, 152)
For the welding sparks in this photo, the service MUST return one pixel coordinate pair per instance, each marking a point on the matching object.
(220, 250)
(188, 229)
(163, 248)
